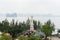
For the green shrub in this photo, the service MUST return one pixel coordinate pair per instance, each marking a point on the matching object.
(5, 38)
(23, 38)
(32, 37)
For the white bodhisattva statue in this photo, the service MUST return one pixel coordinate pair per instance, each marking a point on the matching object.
(31, 24)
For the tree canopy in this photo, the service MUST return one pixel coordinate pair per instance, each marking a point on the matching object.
(16, 28)
(47, 29)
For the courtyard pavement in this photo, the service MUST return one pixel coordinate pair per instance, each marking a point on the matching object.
(55, 38)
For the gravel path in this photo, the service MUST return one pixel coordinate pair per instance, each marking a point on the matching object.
(55, 38)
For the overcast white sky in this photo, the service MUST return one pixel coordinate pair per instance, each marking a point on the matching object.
(33, 6)
(30, 6)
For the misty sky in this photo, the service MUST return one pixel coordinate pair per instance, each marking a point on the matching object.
(33, 7)
(30, 6)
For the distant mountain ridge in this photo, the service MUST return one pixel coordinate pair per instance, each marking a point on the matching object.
(24, 15)
(11, 15)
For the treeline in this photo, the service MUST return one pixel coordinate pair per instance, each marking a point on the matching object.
(15, 28)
